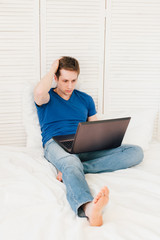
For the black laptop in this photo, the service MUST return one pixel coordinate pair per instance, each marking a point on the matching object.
(95, 135)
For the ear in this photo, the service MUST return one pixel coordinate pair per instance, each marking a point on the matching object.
(55, 78)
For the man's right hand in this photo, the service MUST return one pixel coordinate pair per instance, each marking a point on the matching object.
(55, 66)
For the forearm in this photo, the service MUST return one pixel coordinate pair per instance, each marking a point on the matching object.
(45, 83)
(92, 118)
(41, 90)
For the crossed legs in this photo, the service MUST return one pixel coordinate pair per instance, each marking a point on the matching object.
(73, 167)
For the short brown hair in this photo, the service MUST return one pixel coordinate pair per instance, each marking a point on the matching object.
(68, 63)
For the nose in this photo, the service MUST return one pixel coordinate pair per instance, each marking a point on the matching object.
(69, 85)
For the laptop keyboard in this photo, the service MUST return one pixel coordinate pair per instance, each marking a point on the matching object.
(67, 144)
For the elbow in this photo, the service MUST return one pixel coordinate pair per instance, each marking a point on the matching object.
(40, 97)
(38, 92)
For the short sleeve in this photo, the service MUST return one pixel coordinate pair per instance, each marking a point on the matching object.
(91, 108)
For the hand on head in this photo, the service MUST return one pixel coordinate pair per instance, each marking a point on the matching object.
(55, 65)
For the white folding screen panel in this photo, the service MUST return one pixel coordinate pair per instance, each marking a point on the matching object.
(75, 28)
(132, 54)
(132, 77)
(19, 63)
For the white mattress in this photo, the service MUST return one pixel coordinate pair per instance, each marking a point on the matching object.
(33, 203)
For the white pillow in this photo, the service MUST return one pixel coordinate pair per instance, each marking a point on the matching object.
(30, 118)
(140, 129)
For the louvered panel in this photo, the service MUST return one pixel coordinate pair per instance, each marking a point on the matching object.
(19, 55)
(76, 28)
(11, 122)
(142, 99)
(132, 55)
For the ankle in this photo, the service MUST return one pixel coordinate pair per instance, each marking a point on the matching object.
(87, 208)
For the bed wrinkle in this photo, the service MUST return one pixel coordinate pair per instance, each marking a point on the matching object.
(33, 203)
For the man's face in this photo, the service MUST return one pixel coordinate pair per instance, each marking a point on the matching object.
(66, 82)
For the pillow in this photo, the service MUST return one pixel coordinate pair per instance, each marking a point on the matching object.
(140, 128)
(30, 118)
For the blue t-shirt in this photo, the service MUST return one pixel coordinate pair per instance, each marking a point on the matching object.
(61, 117)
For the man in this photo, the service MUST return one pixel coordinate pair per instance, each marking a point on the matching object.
(60, 110)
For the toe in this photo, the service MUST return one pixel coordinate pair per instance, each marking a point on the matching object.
(106, 190)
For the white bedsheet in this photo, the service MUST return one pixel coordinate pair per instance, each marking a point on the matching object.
(33, 203)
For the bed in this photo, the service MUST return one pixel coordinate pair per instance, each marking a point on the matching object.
(33, 203)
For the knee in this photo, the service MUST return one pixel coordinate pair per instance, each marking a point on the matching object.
(72, 163)
(138, 154)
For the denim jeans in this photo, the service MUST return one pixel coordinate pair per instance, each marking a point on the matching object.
(74, 167)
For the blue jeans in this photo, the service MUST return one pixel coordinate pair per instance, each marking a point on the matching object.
(73, 168)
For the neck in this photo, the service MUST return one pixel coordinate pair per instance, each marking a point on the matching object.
(61, 94)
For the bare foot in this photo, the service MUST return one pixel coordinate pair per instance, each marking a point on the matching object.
(93, 210)
(59, 176)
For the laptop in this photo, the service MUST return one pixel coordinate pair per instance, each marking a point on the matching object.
(95, 135)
